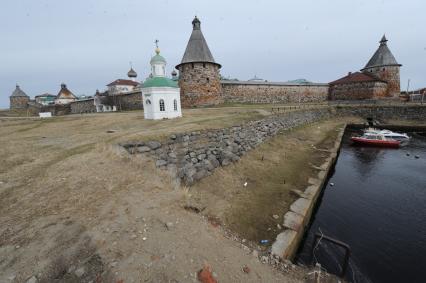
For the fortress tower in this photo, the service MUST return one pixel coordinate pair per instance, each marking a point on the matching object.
(384, 66)
(199, 78)
(19, 99)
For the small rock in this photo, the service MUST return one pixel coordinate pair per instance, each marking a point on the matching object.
(160, 163)
(246, 269)
(17, 246)
(113, 264)
(255, 253)
(275, 216)
(32, 280)
(279, 226)
(331, 184)
(134, 236)
(153, 144)
(11, 277)
(205, 275)
(143, 148)
(169, 225)
(173, 137)
(79, 272)
(144, 238)
(202, 156)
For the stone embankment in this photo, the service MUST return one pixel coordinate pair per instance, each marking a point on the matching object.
(296, 220)
(193, 156)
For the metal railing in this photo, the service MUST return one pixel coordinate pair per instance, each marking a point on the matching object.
(320, 237)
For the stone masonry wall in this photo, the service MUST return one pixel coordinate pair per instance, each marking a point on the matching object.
(83, 106)
(199, 84)
(193, 156)
(19, 102)
(128, 101)
(389, 74)
(411, 112)
(240, 92)
(358, 91)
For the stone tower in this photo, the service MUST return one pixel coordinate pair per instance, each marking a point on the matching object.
(19, 99)
(384, 66)
(199, 78)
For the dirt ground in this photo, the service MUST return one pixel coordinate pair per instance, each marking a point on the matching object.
(75, 207)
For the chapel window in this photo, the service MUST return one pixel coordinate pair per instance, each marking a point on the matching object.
(175, 105)
(162, 106)
(148, 102)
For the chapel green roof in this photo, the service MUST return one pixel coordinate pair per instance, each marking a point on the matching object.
(159, 82)
(157, 58)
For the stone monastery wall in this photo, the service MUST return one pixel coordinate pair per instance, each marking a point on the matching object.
(129, 101)
(358, 91)
(83, 106)
(263, 92)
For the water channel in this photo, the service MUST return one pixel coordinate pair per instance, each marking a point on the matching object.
(374, 201)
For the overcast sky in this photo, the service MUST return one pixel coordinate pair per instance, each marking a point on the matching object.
(89, 43)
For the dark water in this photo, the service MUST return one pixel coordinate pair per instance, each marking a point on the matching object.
(378, 207)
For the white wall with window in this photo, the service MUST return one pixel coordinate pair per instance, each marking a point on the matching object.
(161, 103)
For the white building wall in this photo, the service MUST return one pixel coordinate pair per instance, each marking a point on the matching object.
(154, 95)
(63, 100)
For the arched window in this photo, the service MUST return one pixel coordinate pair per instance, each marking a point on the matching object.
(148, 102)
(162, 106)
(175, 105)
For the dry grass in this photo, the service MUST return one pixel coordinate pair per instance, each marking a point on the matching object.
(271, 171)
(69, 170)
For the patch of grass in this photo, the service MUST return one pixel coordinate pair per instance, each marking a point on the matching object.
(271, 171)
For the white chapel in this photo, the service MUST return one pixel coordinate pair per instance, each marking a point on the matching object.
(160, 95)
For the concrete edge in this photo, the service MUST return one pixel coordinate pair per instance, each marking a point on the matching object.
(296, 220)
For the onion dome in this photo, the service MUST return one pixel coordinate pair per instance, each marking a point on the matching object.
(157, 58)
(174, 73)
(132, 73)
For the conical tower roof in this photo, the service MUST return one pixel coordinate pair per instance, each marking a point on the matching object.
(382, 57)
(197, 49)
(18, 92)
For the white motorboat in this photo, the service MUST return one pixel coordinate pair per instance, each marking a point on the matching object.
(387, 133)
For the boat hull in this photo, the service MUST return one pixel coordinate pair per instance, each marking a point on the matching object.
(378, 143)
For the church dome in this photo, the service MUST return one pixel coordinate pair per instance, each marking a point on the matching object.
(132, 73)
(157, 58)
